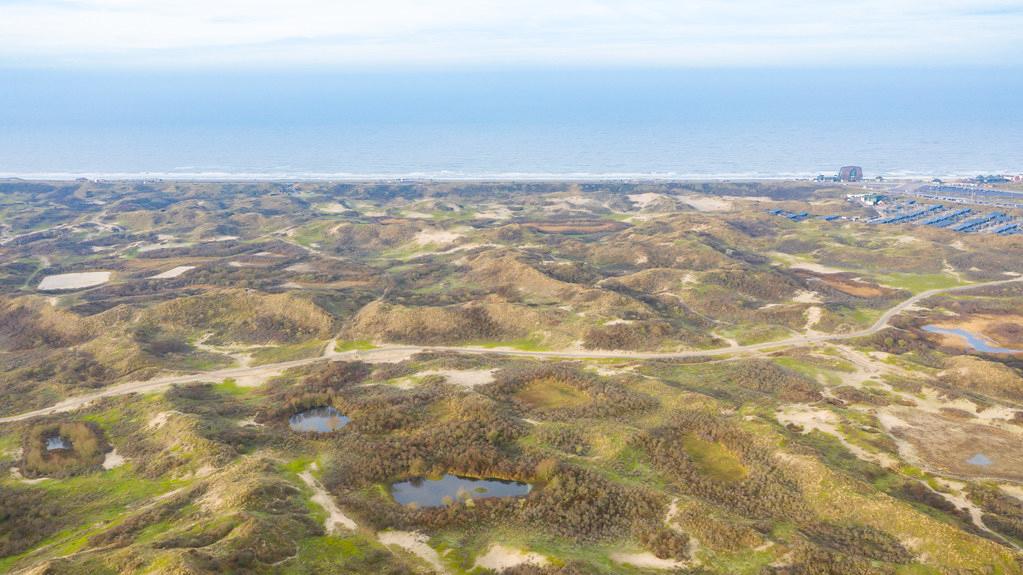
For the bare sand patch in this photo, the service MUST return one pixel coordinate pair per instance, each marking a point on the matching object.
(468, 378)
(806, 296)
(493, 213)
(618, 321)
(813, 317)
(172, 273)
(162, 246)
(800, 264)
(809, 418)
(160, 419)
(708, 203)
(645, 199)
(414, 543)
(113, 459)
(499, 558)
(301, 267)
(950, 445)
(437, 237)
(77, 280)
(17, 476)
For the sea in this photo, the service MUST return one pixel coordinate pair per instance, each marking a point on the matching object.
(509, 123)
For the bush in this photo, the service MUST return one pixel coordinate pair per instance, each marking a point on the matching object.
(85, 454)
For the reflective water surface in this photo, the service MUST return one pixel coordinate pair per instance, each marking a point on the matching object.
(451, 488)
(318, 420)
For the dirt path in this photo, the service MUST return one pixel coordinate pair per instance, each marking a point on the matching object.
(397, 352)
(335, 517)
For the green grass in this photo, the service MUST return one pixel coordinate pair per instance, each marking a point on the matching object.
(277, 354)
(230, 387)
(354, 345)
(713, 459)
(917, 283)
(748, 334)
(109, 495)
(531, 343)
(550, 393)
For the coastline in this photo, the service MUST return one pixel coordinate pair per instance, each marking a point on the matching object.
(449, 176)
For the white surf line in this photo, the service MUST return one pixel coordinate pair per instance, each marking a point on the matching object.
(271, 369)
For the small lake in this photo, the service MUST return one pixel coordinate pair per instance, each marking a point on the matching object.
(979, 459)
(318, 420)
(438, 492)
(976, 342)
(57, 442)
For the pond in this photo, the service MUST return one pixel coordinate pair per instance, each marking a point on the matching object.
(318, 420)
(976, 342)
(979, 459)
(446, 490)
(56, 442)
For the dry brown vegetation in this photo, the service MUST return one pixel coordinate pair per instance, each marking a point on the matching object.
(85, 453)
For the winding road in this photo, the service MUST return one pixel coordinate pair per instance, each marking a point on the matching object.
(390, 352)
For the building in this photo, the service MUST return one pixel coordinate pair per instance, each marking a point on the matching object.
(850, 174)
(867, 199)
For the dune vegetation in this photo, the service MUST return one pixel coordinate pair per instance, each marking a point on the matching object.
(647, 369)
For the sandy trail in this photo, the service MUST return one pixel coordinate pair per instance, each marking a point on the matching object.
(394, 353)
(335, 517)
(499, 558)
(414, 543)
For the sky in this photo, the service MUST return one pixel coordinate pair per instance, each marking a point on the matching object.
(203, 34)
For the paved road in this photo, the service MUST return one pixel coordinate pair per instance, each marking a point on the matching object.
(393, 352)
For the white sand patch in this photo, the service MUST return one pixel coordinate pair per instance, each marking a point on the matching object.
(618, 321)
(335, 518)
(437, 237)
(708, 203)
(159, 420)
(418, 215)
(172, 273)
(814, 419)
(414, 543)
(222, 239)
(467, 378)
(646, 560)
(494, 213)
(113, 459)
(806, 296)
(645, 199)
(154, 247)
(76, 280)
(17, 476)
(498, 558)
(800, 264)
(301, 267)
(813, 317)
(809, 418)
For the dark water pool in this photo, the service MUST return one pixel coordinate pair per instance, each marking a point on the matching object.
(57, 442)
(318, 420)
(450, 488)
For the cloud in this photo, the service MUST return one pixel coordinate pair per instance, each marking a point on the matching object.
(196, 33)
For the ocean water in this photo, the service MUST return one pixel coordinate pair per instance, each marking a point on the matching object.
(510, 124)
